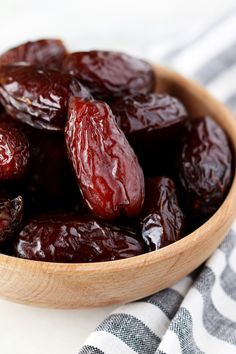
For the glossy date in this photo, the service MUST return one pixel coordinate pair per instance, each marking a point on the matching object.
(38, 96)
(110, 74)
(61, 238)
(150, 118)
(205, 168)
(46, 52)
(162, 218)
(49, 182)
(11, 214)
(14, 152)
(152, 123)
(107, 170)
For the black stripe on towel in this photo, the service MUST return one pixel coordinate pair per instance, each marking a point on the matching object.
(228, 276)
(182, 326)
(131, 331)
(89, 349)
(214, 322)
(228, 282)
(168, 301)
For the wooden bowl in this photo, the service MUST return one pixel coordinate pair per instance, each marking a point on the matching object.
(62, 285)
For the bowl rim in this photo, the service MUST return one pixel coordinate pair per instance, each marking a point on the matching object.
(210, 226)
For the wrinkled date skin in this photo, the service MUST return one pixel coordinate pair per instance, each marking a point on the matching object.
(110, 74)
(75, 239)
(146, 119)
(152, 123)
(162, 220)
(205, 167)
(11, 214)
(46, 52)
(38, 96)
(107, 170)
(14, 152)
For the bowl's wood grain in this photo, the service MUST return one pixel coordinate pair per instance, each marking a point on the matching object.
(99, 284)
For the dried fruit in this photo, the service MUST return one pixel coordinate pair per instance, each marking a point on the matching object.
(50, 182)
(36, 175)
(107, 170)
(14, 152)
(63, 238)
(205, 168)
(11, 214)
(149, 119)
(48, 52)
(152, 123)
(38, 96)
(162, 219)
(110, 74)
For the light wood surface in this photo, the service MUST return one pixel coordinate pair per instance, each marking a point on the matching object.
(101, 284)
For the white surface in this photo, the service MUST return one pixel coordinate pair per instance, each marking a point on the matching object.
(29, 330)
(132, 25)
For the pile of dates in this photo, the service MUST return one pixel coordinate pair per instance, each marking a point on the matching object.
(94, 164)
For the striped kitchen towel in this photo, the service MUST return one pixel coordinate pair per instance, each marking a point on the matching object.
(198, 314)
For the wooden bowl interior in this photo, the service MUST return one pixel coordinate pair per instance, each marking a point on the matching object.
(99, 284)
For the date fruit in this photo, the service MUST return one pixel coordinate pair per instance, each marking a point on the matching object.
(38, 96)
(14, 152)
(11, 214)
(150, 118)
(162, 219)
(63, 238)
(49, 182)
(205, 167)
(110, 74)
(152, 124)
(107, 170)
(46, 52)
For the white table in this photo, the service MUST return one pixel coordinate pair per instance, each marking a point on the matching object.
(130, 25)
